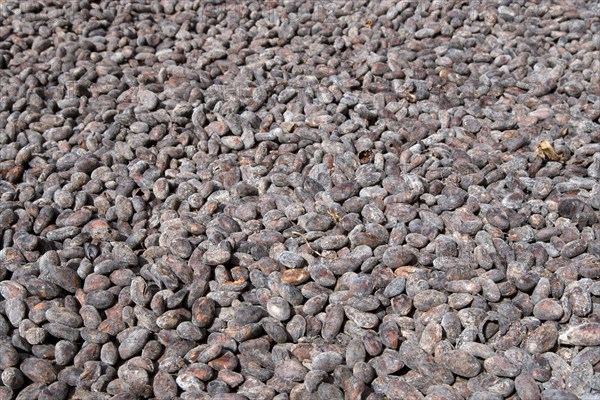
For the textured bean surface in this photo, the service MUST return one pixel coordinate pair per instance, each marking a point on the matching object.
(299, 199)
